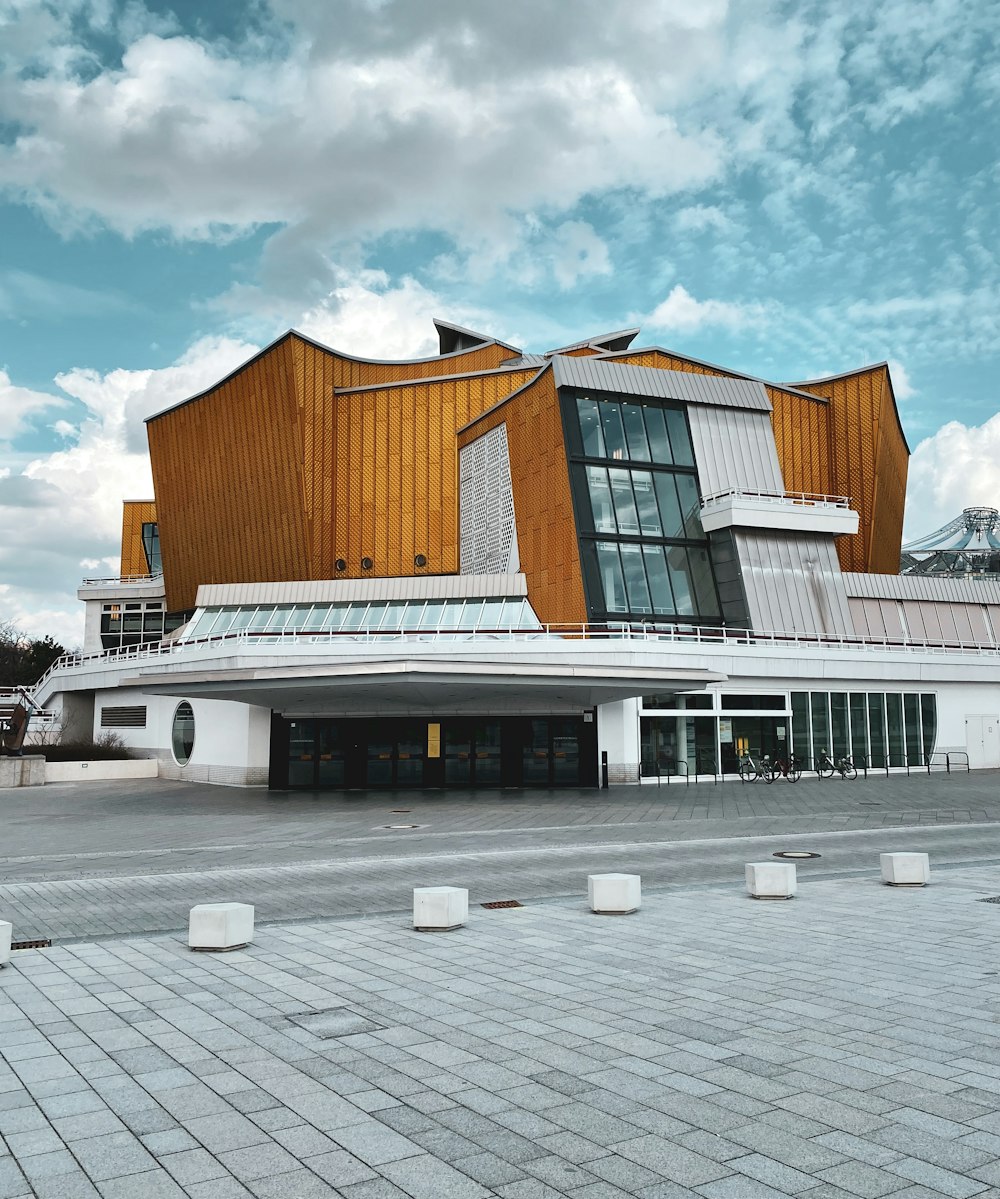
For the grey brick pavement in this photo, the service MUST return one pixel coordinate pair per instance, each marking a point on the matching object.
(845, 1044)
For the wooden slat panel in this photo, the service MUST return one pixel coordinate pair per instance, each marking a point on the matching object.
(135, 513)
(543, 507)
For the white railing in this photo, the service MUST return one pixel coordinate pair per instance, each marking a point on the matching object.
(122, 580)
(658, 634)
(795, 498)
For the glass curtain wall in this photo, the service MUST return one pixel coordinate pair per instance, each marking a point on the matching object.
(644, 551)
(875, 728)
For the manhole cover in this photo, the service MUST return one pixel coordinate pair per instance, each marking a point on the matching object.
(400, 826)
(795, 854)
(502, 903)
(38, 943)
(337, 1022)
(398, 811)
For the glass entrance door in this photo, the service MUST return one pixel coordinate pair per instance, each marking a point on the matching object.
(551, 752)
(472, 753)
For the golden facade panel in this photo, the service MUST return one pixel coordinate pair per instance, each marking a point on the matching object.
(135, 514)
(543, 506)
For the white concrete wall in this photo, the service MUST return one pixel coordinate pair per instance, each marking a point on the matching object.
(618, 736)
(83, 772)
(232, 741)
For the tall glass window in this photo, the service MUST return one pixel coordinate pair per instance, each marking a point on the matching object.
(638, 505)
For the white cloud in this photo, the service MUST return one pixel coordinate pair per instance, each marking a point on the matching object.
(958, 467)
(21, 406)
(680, 312)
(902, 388)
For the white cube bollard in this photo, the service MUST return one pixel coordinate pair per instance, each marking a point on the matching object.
(905, 869)
(439, 909)
(770, 880)
(614, 894)
(220, 926)
(6, 934)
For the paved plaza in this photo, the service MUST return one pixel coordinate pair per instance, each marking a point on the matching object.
(844, 1044)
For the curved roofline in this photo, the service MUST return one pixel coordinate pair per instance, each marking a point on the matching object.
(481, 339)
(506, 400)
(328, 350)
(723, 370)
(600, 342)
(863, 370)
(505, 368)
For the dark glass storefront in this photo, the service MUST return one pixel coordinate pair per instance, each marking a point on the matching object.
(470, 752)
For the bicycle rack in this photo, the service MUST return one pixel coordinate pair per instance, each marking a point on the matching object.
(958, 754)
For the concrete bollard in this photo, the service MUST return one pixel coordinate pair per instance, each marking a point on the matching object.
(770, 880)
(614, 894)
(905, 869)
(217, 927)
(6, 935)
(440, 909)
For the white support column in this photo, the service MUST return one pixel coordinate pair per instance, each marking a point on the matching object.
(618, 736)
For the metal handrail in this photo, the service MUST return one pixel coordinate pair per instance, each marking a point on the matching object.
(665, 633)
(114, 580)
(800, 498)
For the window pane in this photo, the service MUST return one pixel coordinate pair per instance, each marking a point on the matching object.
(928, 721)
(590, 428)
(735, 702)
(612, 582)
(411, 614)
(472, 614)
(635, 578)
(298, 617)
(690, 501)
(376, 614)
(621, 489)
(894, 723)
(452, 618)
(335, 617)
(911, 724)
(656, 430)
(680, 443)
(259, 619)
(820, 723)
(431, 618)
(614, 432)
(600, 500)
(660, 590)
(876, 728)
(635, 431)
(645, 502)
(492, 614)
(354, 617)
(859, 729)
(703, 582)
(392, 621)
(677, 561)
(800, 727)
(838, 725)
(242, 619)
(670, 511)
(677, 699)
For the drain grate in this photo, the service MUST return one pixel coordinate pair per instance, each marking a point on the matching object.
(400, 826)
(398, 811)
(991, 899)
(37, 943)
(502, 903)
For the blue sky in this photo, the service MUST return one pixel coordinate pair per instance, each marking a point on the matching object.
(791, 189)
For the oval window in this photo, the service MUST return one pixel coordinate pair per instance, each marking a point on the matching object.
(182, 733)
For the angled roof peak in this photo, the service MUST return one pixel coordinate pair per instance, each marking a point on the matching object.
(613, 342)
(453, 338)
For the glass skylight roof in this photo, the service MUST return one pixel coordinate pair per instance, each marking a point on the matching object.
(382, 617)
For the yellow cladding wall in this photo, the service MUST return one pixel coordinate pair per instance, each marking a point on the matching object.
(869, 462)
(543, 507)
(135, 513)
(272, 475)
(853, 445)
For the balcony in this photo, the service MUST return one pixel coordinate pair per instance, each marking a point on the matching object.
(788, 511)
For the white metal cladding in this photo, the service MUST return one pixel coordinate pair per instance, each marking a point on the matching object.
(792, 582)
(734, 450)
(926, 620)
(599, 374)
(487, 530)
(924, 587)
(343, 591)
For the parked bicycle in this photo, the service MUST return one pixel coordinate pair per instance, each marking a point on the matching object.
(826, 767)
(752, 769)
(789, 768)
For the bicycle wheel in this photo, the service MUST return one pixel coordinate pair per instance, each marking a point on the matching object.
(794, 772)
(850, 771)
(825, 769)
(747, 773)
(770, 771)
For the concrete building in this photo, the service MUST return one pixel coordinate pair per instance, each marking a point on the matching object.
(490, 568)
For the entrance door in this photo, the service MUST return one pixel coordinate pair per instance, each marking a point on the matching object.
(472, 753)
(550, 755)
(982, 740)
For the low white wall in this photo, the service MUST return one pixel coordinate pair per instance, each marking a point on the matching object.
(26, 771)
(72, 772)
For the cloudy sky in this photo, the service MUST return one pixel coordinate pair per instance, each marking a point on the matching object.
(791, 189)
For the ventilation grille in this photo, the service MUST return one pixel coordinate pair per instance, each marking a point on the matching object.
(488, 535)
(124, 718)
